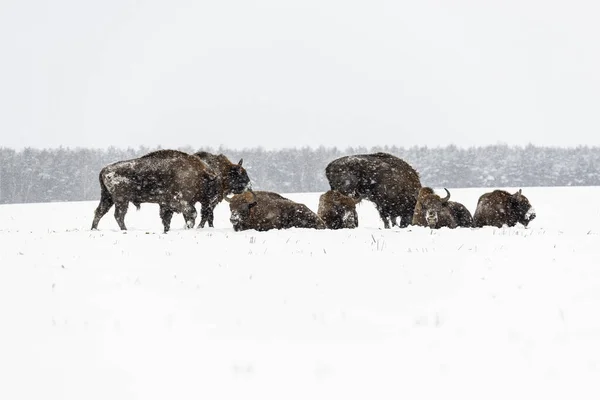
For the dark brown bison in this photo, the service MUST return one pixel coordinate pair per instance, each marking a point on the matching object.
(173, 179)
(500, 208)
(267, 210)
(436, 212)
(232, 178)
(388, 181)
(461, 214)
(337, 210)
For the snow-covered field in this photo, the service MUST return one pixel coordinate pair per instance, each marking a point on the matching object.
(300, 314)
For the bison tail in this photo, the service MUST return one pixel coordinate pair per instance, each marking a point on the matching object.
(104, 192)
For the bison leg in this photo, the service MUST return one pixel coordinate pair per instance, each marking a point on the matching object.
(106, 202)
(407, 212)
(120, 211)
(405, 219)
(207, 215)
(189, 214)
(211, 217)
(165, 215)
(383, 216)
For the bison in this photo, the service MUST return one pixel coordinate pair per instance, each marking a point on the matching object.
(337, 210)
(267, 210)
(461, 214)
(232, 179)
(171, 178)
(388, 181)
(436, 212)
(500, 208)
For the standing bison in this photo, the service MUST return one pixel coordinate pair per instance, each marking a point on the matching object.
(232, 179)
(436, 212)
(500, 208)
(173, 179)
(337, 210)
(388, 181)
(267, 210)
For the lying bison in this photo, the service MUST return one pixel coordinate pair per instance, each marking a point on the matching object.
(500, 208)
(267, 210)
(173, 179)
(337, 210)
(436, 212)
(462, 216)
(388, 181)
(232, 179)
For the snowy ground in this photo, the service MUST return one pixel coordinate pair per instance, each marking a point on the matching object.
(300, 314)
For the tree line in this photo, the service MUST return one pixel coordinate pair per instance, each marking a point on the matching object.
(65, 174)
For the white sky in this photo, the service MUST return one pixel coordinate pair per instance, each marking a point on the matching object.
(273, 73)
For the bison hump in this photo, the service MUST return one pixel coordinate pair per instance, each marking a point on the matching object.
(165, 154)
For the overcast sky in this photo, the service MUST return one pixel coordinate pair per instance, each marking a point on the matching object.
(275, 73)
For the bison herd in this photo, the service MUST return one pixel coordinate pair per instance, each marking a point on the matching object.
(176, 181)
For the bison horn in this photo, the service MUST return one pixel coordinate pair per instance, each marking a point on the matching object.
(240, 162)
(227, 199)
(445, 199)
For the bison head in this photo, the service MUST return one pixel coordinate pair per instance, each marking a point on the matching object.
(432, 205)
(338, 210)
(240, 206)
(344, 178)
(523, 210)
(238, 178)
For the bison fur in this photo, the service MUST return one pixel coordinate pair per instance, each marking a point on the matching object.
(435, 212)
(389, 182)
(232, 179)
(174, 180)
(263, 211)
(338, 211)
(500, 208)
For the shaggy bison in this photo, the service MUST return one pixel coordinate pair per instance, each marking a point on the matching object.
(500, 208)
(267, 210)
(388, 181)
(232, 179)
(173, 179)
(436, 212)
(337, 210)
(462, 216)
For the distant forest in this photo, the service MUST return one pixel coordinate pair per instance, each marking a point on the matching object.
(64, 174)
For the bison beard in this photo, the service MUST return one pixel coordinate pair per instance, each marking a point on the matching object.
(173, 179)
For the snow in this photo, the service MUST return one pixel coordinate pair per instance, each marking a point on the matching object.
(300, 314)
